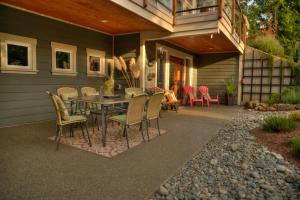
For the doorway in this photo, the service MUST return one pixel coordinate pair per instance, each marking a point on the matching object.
(177, 76)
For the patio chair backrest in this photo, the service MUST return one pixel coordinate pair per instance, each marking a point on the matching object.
(89, 91)
(56, 107)
(135, 110)
(154, 105)
(203, 92)
(67, 92)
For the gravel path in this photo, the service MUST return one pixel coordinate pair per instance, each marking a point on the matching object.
(234, 166)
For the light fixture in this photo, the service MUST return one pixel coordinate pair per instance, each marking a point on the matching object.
(211, 36)
(104, 21)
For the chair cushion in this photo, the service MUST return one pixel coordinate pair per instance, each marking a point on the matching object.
(119, 118)
(171, 96)
(92, 93)
(74, 118)
(62, 108)
(66, 96)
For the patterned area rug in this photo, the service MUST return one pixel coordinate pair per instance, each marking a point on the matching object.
(115, 142)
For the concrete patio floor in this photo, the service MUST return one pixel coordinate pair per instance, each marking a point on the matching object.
(30, 168)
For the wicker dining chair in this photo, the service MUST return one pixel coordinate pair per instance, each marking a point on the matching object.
(64, 119)
(133, 116)
(153, 110)
(88, 91)
(65, 93)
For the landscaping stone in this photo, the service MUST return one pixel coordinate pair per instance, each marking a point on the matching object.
(234, 166)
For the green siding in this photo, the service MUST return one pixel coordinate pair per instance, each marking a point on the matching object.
(23, 98)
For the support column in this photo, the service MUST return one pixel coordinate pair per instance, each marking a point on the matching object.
(142, 61)
(240, 77)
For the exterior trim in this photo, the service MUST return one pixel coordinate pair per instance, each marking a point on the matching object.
(30, 43)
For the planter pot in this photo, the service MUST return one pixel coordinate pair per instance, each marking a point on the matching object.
(230, 100)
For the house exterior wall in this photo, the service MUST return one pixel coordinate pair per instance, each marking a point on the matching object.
(214, 69)
(22, 96)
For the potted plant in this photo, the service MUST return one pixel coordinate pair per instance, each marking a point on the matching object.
(230, 92)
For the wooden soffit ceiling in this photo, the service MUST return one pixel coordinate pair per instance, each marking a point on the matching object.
(215, 43)
(101, 15)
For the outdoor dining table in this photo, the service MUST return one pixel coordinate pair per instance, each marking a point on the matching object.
(104, 103)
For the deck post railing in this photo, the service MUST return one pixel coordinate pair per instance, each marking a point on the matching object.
(174, 12)
(221, 7)
(232, 15)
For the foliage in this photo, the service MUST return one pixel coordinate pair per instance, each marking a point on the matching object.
(295, 116)
(281, 16)
(268, 44)
(295, 144)
(230, 87)
(291, 95)
(277, 124)
(275, 98)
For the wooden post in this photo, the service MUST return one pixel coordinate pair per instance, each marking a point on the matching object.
(232, 15)
(243, 74)
(245, 31)
(240, 26)
(252, 69)
(145, 3)
(221, 7)
(281, 75)
(261, 79)
(271, 78)
(174, 12)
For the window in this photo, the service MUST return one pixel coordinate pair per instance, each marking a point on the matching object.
(18, 54)
(95, 62)
(63, 59)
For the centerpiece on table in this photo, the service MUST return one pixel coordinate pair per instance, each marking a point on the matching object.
(108, 88)
(131, 74)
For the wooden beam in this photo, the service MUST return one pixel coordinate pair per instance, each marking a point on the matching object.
(145, 4)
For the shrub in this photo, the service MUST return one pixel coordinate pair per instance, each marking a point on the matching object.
(230, 87)
(275, 98)
(295, 116)
(291, 95)
(268, 44)
(279, 124)
(295, 144)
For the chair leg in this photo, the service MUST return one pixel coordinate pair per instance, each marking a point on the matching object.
(57, 133)
(92, 124)
(87, 132)
(147, 130)
(82, 130)
(59, 136)
(141, 129)
(158, 126)
(97, 121)
(126, 134)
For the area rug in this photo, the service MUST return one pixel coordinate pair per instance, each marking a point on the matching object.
(115, 142)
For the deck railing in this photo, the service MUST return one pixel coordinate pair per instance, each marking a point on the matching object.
(228, 10)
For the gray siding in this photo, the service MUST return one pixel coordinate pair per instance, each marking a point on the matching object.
(23, 98)
(127, 46)
(215, 69)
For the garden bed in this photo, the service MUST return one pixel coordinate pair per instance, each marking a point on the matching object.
(278, 142)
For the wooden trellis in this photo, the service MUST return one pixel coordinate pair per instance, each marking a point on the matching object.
(264, 75)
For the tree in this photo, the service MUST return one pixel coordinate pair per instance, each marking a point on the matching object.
(280, 16)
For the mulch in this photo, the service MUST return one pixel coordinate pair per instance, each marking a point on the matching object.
(277, 142)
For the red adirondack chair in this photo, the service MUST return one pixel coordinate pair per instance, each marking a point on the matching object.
(204, 94)
(189, 91)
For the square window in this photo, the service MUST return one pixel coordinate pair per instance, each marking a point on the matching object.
(17, 55)
(95, 62)
(63, 59)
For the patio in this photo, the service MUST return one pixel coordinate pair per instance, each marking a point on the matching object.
(30, 168)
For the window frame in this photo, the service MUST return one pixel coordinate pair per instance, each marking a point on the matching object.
(72, 50)
(101, 55)
(30, 43)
